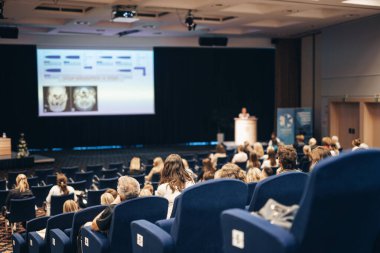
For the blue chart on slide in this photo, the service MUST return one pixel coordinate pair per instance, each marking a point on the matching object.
(95, 82)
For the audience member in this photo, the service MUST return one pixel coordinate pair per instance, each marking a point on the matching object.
(298, 145)
(355, 144)
(127, 188)
(113, 192)
(271, 160)
(258, 148)
(21, 191)
(135, 167)
(363, 146)
(253, 175)
(148, 187)
(60, 189)
(70, 206)
(231, 170)
(312, 143)
(158, 165)
(253, 161)
(335, 140)
(305, 161)
(219, 152)
(266, 172)
(188, 170)
(241, 156)
(208, 170)
(334, 150)
(274, 141)
(106, 199)
(318, 154)
(174, 179)
(248, 148)
(287, 159)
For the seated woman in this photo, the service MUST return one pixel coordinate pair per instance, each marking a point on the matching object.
(240, 156)
(127, 188)
(231, 170)
(106, 199)
(258, 148)
(220, 152)
(60, 189)
(208, 170)
(271, 161)
(253, 165)
(135, 167)
(158, 165)
(174, 179)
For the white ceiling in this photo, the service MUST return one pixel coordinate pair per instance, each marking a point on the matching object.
(243, 18)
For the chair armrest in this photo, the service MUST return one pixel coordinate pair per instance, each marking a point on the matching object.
(93, 242)
(148, 237)
(19, 243)
(36, 243)
(59, 242)
(165, 224)
(244, 232)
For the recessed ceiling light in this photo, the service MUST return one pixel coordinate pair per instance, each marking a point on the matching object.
(82, 22)
(149, 26)
(363, 2)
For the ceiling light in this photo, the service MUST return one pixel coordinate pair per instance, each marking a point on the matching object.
(125, 14)
(363, 2)
(189, 21)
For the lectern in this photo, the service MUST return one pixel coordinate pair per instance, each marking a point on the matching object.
(245, 130)
(5, 147)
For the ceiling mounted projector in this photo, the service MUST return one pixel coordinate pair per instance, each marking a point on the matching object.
(124, 13)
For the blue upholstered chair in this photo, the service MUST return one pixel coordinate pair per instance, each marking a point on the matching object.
(116, 165)
(156, 177)
(51, 179)
(96, 168)
(251, 189)
(33, 181)
(43, 173)
(56, 205)
(286, 188)
(79, 185)
(3, 197)
(339, 212)
(105, 183)
(3, 184)
(140, 178)
(111, 173)
(88, 176)
(196, 226)
(37, 244)
(41, 192)
(70, 171)
(242, 165)
(93, 197)
(21, 210)
(148, 168)
(60, 242)
(118, 239)
(20, 241)
(222, 160)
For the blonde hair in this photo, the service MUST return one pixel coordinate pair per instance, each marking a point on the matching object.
(106, 198)
(145, 193)
(185, 163)
(135, 164)
(158, 162)
(253, 175)
(258, 149)
(231, 170)
(22, 183)
(70, 206)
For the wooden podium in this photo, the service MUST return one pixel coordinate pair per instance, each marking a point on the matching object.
(245, 130)
(5, 147)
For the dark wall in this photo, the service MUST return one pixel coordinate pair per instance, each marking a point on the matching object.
(197, 91)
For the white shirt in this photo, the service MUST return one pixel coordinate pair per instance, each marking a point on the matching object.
(165, 191)
(56, 191)
(266, 163)
(243, 116)
(240, 157)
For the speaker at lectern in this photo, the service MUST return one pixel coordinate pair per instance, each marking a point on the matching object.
(245, 130)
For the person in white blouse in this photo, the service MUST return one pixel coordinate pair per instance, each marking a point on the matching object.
(60, 189)
(174, 179)
(244, 114)
(240, 156)
(271, 161)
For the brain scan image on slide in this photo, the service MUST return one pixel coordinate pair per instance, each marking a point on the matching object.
(56, 99)
(84, 98)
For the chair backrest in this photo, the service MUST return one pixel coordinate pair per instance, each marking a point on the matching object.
(148, 168)
(286, 188)
(198, 214)
(93, 197)
(42, 173)
(192, 164)
(12, 177)
(79, 219)
(41, 192)
(222, 160)
(156, 177)
(339, 211)
(79, 186)
(111, 173)
(51, 179)
(70, 171)
(33, 181)
(56, 206)
(61, 221)
(3, 197)
(242, 165)
(140, 178)
(96, 168)
(22, 209)
(116, 165)
(3, 184)
(105, 183)
(148, 208)
(188, 157)
(36, 224)
(88, 176)
(251, 189)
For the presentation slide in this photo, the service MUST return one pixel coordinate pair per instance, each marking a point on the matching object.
(81, 82)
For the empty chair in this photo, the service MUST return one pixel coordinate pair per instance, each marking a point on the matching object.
(93, 197)
(70, 171)
(203, 155)
(56, 206)
(33, 181)
(251, 189)
(78, 186)
(339, 212)
(37, 244)
(117, 165)
(64, 243)
(3, 184)
(20, 241)
(156, 177)
(51, 179)
(96, 168)
(109, 173)
(197, 219)
(242, 165)
(43, 173)
(118, 239)
(140, 179)
(286, 188)
(192, 164)
(12, 177)
(88, 176)
(148, 168)
(222, 160)
(105, 183)
(3, 197)
(41, 192)
(21, 210)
